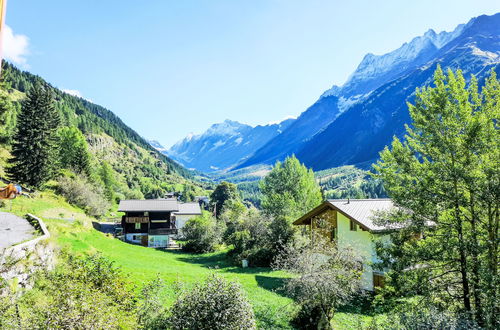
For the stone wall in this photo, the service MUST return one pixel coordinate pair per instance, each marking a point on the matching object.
(19, 262)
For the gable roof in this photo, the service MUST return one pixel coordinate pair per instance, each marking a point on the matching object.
(189, 208)
(148, 205)
(361, 211)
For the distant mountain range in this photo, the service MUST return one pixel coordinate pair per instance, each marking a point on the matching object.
(351, 124)
(223, 145)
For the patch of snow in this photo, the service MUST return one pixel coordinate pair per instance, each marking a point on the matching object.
(219, 143)
(238, 140)
(493, 57)
(373, 65)
(276, 122)
(344, 104)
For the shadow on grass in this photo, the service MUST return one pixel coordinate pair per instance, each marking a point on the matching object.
(212, 260)
(273, 284)
(360, 304)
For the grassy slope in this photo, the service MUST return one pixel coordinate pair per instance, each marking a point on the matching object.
(141, 264)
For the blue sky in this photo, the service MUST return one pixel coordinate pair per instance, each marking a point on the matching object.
(168, 68)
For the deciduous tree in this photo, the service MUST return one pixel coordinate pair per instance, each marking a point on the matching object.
(447, 173)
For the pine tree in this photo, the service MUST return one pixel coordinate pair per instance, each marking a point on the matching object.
(33, 150)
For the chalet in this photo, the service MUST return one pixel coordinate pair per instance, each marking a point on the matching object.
(350, 223)
(155, 222)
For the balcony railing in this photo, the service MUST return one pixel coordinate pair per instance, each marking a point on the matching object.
(163, 231)
(137, 219)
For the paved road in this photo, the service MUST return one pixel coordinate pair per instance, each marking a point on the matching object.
(14, 229)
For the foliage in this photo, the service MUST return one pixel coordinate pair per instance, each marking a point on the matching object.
(78, 190)
(73, 150)
(213, 304)
(202, 234)
(289, 190)
(33, 151)
(81, 293)
(424, 317)
(447, 172)
(248, 233)
(224, 193)
(8, 114)
(324, 278)
(250, 192)
(152, 308)
(349, 182)
(108, 180)
(90, 118)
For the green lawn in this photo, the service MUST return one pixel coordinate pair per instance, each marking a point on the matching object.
(142, 264)
(272, 309)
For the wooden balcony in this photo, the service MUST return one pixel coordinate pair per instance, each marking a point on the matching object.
(163, 231)
(137, 219)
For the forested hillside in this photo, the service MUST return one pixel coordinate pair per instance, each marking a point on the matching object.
(121, 162)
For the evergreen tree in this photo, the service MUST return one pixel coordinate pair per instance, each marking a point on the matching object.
(34, 155)
(448, 172)
(222, 194)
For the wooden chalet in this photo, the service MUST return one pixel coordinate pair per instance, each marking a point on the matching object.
(153, 222)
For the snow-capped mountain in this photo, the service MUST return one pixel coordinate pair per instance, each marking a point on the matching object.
(223, 145)
(158, 146)
(375, 70)
(350, 124)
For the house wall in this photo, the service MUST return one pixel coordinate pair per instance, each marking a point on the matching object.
(181, 219)
(135, 237)
(360, 241)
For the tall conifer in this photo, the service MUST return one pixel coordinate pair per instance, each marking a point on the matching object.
(33, 150)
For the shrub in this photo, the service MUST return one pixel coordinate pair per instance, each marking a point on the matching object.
(213, 304)
(426, 317)
(152, 311)
(324, 278)
(79, 191)
(202, 234)
(260, 257)
(81, 293)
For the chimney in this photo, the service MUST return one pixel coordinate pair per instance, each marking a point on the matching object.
(348, 200)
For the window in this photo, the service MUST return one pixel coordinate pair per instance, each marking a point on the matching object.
(333, 234)
(137, 226)
(354, 226)
(146, 214)
(378, 280)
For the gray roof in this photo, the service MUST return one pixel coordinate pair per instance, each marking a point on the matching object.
(148, 205)
(189, 208)
(363, 210)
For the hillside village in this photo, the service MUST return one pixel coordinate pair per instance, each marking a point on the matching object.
(396, 227)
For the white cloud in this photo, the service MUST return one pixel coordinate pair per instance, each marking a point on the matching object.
(76, 93)
(15, 46)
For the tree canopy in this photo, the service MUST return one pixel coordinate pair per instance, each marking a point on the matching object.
(447, 173)
(289, 190)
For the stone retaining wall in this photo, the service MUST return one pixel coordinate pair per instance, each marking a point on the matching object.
(19, 262)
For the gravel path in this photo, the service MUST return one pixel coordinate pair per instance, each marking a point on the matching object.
(13, 230)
